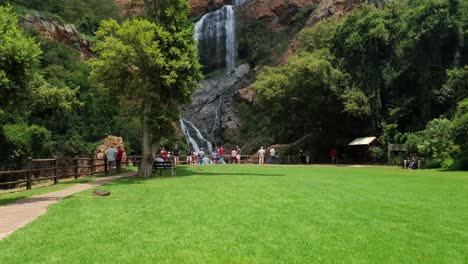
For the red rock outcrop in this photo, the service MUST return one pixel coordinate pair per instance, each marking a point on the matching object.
(200, 7)
(54, 29)
(278, 14)
(130, 7)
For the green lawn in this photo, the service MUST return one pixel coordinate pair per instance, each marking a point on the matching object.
(251, 214)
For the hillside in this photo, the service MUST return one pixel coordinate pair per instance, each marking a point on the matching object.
(318, 73)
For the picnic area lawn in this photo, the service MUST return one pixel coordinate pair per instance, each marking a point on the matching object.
(253, 214)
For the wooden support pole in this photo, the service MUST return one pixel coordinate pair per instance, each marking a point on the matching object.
(55, 171)
(92, 165)
(76, 167)
(29, 175)
(105, 166)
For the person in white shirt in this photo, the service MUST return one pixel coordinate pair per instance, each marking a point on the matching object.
(261, 156)
(272, 156)
(110, 156)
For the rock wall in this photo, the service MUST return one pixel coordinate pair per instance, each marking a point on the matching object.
(328, 8)
(54, 29)
(212, 109)
(278, 14)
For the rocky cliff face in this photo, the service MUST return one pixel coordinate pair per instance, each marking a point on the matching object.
(54, 29)
(328, 8)
(200, 7)
(212, 110)
(278, 14)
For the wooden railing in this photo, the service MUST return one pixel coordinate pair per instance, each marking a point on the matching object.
(53, 169)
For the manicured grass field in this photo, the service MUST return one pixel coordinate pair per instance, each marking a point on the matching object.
(251, 214)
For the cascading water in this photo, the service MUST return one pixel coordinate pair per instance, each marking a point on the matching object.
(217, 49)
(216, 36)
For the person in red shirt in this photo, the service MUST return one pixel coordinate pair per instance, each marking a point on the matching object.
(118, 158)
(333, 155)
(164, 154)
(221, 155)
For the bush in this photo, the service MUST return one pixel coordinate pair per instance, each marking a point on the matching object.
(376, 153)
(447, 163)
(433, 164)
(436, 142)
(397, 160)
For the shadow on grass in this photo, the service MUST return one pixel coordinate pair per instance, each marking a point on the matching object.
(184, 171)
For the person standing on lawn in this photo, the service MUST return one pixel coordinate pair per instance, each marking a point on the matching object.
(271, 158)
(333, 155)
(110, 156)
(201, 157)
(189, 156)
(118, 159)
(238, 157)
(261, 156)
(233, 156)
(176, 153)
(221, 155)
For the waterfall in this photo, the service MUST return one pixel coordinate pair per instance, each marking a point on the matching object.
(231, 51)
(217, 49)
(190, 140)
(196, 147)
(216, 36)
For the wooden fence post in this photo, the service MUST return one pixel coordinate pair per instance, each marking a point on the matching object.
(92, 165)
(55, 171)
(105, 166)
(76, 167)
(29, 175)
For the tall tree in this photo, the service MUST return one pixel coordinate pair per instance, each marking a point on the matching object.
(150, 65)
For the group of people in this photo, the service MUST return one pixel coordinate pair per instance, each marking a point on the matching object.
(114, 158)
(271, 156)
(412, 161)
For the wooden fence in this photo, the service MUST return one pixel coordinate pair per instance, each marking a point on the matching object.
(53, 169)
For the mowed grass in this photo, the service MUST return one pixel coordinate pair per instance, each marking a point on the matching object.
(252, 214)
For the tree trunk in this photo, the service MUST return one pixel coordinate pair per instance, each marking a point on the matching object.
(146, 166)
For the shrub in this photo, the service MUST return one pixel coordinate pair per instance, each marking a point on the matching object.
(435, 142)
(447, 163)
(376, 153)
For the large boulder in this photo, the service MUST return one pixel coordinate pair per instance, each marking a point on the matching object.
(109, 141)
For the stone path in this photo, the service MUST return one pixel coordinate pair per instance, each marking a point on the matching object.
(22, 212)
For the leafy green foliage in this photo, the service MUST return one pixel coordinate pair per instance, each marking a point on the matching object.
(25, 140)
(400, 67)
(19, 58)
(154, 67)
(436, 142)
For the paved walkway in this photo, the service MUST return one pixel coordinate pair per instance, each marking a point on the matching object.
(22, 212)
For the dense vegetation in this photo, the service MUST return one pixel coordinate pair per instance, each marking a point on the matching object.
(380, 71)
(152, 65)
(50, 105)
